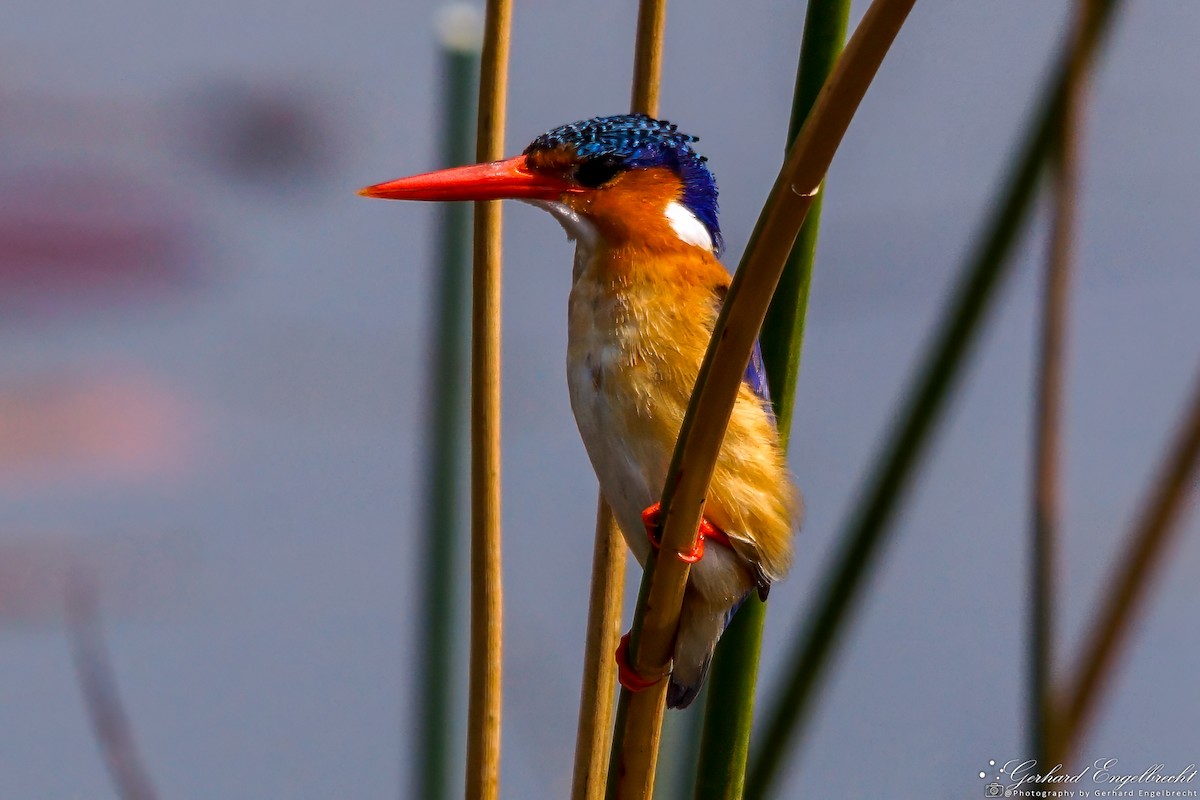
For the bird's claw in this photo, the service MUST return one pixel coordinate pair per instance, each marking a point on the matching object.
(652, 519)
(630, 678)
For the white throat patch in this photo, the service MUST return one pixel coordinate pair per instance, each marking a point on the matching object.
(579, 230)
(687, 225)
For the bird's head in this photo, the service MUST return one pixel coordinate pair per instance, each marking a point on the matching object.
(627, 179)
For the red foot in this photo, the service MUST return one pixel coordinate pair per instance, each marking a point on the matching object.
(652, 519)
(626, 674)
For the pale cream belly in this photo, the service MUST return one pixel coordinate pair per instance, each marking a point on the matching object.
(623, 479)
(631, 469)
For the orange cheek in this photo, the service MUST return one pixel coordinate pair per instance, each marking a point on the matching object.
(632, 206)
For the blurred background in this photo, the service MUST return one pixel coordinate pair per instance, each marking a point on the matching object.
(214, 380)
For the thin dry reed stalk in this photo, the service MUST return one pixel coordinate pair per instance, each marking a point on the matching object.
(1156, 528)
(647, 57)
(484, 698)
(597, 695)
(598, 692)
(1046, 504)
(98, 684)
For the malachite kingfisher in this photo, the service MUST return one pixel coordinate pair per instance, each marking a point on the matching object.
(641, 207)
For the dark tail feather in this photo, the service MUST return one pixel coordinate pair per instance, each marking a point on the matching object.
(700, 628)
(681, 695)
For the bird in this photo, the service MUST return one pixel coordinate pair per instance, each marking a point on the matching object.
(640, 204)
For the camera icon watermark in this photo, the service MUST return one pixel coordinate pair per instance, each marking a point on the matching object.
(995, 788)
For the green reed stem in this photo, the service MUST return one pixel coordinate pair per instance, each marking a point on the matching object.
(783, 330)
(725, 742)
(442, 522)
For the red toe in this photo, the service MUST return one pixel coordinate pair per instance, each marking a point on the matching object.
(626, 674)
(652, 519)
(697, 552)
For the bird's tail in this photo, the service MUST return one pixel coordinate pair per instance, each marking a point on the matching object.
(701, 624)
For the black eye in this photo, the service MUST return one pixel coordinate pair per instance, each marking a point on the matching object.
(597, 171)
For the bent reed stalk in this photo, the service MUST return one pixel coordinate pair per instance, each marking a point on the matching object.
(720, 376)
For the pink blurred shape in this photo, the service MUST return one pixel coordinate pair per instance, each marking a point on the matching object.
(88, 236)
(116, 423)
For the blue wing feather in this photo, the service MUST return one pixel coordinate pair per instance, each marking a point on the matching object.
(756, 379)
(755, 376)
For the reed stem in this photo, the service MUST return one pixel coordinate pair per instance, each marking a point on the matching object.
(647, 57)
(867, 530)
(720, 377)
(98, 684)
(608, 567)
(1046, 503)
(435, 651)
(729, 715)
(484, 698)
(1122, 598)
(597, 695)
(783, 329)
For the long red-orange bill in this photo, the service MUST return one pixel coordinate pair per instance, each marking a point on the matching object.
(497, 180)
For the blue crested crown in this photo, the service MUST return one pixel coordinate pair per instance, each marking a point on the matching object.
(633, 141)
